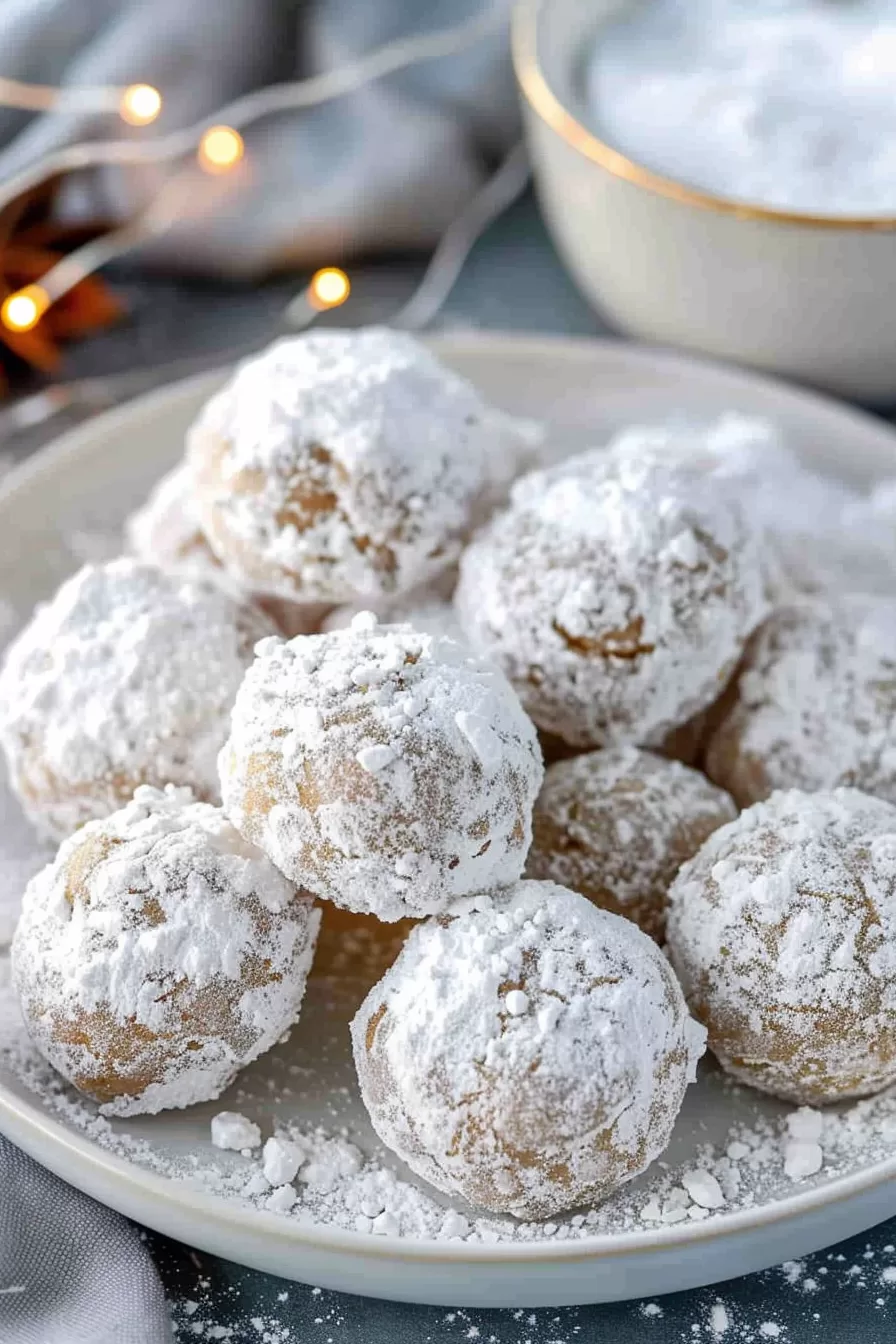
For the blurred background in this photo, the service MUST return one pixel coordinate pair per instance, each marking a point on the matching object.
(173, 176)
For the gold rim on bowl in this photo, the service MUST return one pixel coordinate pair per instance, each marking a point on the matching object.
(545, 103)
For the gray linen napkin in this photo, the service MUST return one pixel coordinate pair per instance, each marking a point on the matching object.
(385, 167)
(71, 1272)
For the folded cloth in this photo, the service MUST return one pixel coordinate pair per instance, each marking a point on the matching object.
(71, 1272)
(384, 167)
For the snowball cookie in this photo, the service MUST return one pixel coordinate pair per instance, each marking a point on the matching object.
(783, 933)
(616, 592)
(818, 534)
(815, 705)
(159, 954)
(126, 677)
(165, 531)
(340, 465)
(617, 825)
(382, 768)
(528, 1052)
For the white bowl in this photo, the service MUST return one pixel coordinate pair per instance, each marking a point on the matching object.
(809, 296)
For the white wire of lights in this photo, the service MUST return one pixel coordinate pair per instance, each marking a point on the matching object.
(328, 288)
(385, 60)
(218, 145)
(138, 104)
(456, 243)
(219, 148)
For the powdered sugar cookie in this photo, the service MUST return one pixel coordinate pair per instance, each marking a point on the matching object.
(126, 677)
(166, 531)
(815, 703)
(783, 932)
(340, 465)
(617, 593)
(528, 1052)
(818, 534)
(384, 769)
(159, 954)
(616, 826)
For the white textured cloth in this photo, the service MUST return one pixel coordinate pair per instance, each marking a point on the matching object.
(383, 168)
(71, 1272)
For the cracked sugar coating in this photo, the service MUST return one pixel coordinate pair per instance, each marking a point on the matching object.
(783, 933)
(159, 954)
(617, 593)
(343, 465)
(529, 1052)
(387, 770)
(126, 677)
(815, 705)
(616, 826)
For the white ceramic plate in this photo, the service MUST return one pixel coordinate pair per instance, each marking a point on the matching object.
(86, 483)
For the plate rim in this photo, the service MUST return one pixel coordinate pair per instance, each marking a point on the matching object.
(35, 1128)
(493, 343)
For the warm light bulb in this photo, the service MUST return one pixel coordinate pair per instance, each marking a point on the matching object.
(220, 149)
(328, 288)
(140, 104)
(23, 310)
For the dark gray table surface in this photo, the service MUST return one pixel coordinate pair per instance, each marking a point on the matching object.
(513, 280)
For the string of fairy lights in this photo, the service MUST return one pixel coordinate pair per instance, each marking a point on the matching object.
(218, 147)
(136, 104)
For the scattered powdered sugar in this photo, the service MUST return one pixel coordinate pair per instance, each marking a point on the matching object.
(805, 1125)
(815, 704)
(126, 677)
(159, 954)
(281, 1160)
(345, 464)
(529, 1023)
(703, 1189)
(719, 1320)
(783, 933)
(385, 769)
(802, 1159)
(342, 1181)
(232, 1130)
(617, 592)
(616, 825)
(843, 1294)
(803, 1154)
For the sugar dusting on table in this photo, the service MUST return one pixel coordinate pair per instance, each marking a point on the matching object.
(788, 1304)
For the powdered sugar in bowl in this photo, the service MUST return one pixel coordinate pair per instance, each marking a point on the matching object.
(704, 192)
